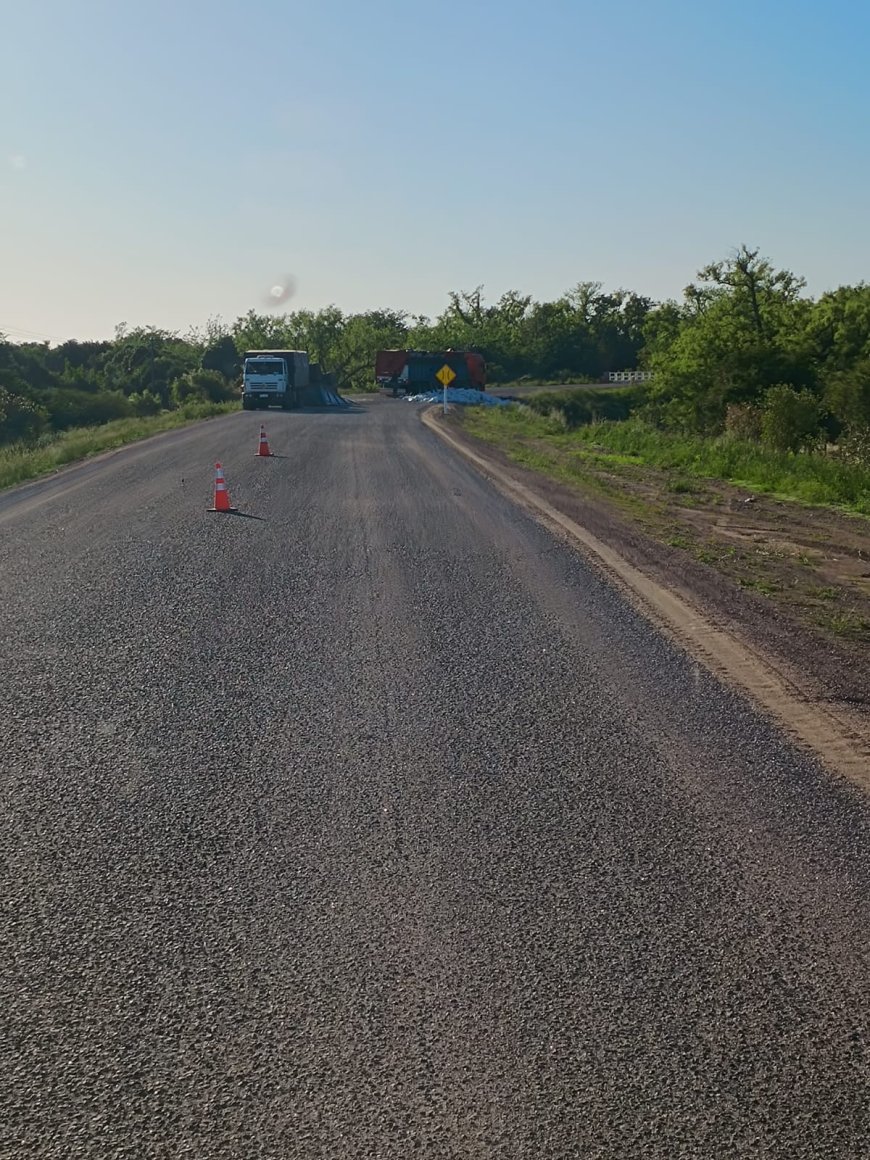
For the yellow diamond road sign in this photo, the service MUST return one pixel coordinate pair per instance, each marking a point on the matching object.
(446, 375)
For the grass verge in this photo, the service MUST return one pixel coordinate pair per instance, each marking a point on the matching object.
(796, 542)
(19, 463)
(812, 479)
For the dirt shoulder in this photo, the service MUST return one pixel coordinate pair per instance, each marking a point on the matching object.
(759, 571)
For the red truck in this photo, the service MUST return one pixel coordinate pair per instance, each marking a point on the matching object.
(414, 371)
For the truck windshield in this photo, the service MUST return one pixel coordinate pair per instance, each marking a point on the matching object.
(264, 368)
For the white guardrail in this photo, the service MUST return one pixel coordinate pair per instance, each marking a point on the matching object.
(629, 376)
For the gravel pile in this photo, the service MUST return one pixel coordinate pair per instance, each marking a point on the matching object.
(462, 395)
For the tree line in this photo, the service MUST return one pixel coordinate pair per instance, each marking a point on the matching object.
(747, 351)
(744, 350)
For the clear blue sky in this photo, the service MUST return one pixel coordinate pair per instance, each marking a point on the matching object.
(166, 161)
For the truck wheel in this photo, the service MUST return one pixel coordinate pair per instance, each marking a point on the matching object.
(246, 404)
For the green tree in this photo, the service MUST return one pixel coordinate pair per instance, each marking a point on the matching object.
(80, 377)
(351, 356)
(839, 327)
(28, 361)
(255, 331)
(74, 355)
(223, 357)
(147, 359)
(739, 332)
(316, 331)
(21, 419)
(847, 395)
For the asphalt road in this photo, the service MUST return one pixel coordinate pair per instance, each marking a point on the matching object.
(373, 823)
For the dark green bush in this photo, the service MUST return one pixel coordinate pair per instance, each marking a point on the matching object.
(21, 420)
(204, 386)
(791, 420)
(68, 408)
(588, 404)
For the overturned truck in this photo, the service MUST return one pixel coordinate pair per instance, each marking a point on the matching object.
(287, 379)
(416, 371)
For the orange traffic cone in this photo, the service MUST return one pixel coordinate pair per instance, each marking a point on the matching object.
(263, 449)
(221, 495)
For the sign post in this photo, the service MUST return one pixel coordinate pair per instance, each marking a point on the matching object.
(445, 376)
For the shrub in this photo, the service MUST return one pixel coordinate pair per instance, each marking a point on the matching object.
(69, 408)
(202, 386)
(791, 419)
(587, 405)
(145, 403)
(847, 396)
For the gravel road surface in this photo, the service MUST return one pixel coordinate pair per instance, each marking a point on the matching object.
(372, 822)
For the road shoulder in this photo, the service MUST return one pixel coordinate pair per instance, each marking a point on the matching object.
(815, 691)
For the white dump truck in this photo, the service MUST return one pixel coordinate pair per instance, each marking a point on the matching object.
(286, 378)
(274, 378)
